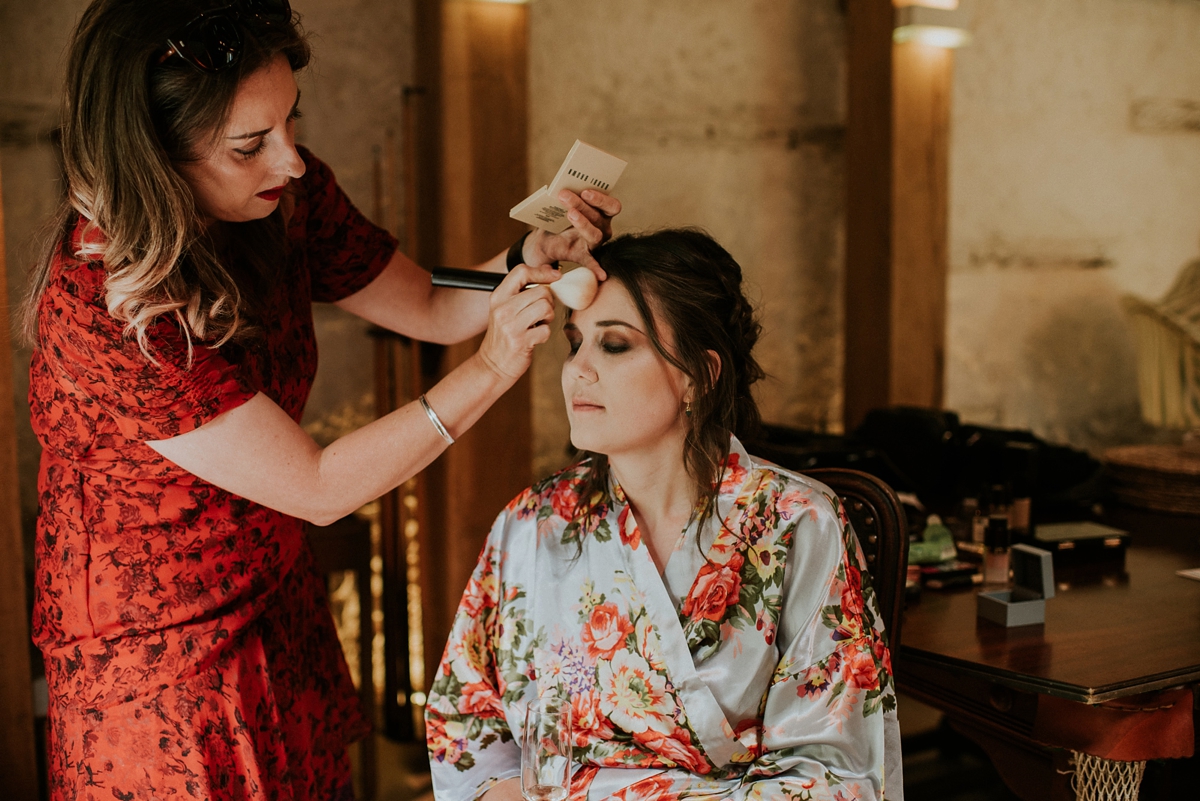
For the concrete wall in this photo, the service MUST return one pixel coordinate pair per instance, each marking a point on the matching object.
(351, 103)
(731, 117)
(1074, 178)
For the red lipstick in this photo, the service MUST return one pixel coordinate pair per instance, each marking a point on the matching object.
(272, 194)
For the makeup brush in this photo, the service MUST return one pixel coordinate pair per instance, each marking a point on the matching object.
(576, 289)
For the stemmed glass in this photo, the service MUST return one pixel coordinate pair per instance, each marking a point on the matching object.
(546, 749)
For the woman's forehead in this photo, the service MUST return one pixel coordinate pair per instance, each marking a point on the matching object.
(261, 97)
(614, 303)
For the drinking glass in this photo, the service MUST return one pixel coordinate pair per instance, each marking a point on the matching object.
(546, 749)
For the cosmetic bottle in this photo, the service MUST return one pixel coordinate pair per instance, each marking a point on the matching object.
(976, 517)
(995, 554)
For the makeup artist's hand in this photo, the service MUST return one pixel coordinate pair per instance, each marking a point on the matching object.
(518, 320)
(591, 224)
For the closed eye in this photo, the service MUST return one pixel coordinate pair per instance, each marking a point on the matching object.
(251, 152)
(254, 151)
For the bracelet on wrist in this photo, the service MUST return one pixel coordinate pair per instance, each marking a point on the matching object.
(437, 422)
(516, 253)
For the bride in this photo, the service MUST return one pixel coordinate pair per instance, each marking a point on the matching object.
(708, 613)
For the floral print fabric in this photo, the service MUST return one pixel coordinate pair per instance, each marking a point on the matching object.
(189, 649)
(755, 666)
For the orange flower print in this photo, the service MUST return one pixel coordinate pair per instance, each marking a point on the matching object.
(859, 670)
(881, 652)
(677, 748)
(633, 696)
(715, 589)
(605, 631)
(655, 788)
(734, 475)
(588, 723)
(479, 595)
(480, 700)
(631, 535)
(564, 499)
(852, 600)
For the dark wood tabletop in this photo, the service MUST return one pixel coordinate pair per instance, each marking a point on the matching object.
(1112, 630)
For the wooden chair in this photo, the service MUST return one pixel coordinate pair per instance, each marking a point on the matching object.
(878, 520)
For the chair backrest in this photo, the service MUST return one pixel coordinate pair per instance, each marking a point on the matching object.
(878, 520)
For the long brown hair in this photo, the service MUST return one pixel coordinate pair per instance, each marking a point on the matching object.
(129, 115)
(684, 279)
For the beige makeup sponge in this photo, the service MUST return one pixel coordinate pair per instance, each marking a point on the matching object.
(576, 289)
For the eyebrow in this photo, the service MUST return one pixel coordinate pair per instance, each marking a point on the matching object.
(607, 324)
(265, 131)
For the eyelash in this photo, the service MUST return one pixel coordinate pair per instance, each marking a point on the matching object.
(607, 347)
(262, 143)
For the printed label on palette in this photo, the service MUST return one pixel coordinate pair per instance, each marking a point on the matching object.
(585, 167)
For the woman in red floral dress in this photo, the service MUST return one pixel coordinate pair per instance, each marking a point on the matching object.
(188, 647)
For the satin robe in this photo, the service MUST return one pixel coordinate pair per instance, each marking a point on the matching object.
(755, 666)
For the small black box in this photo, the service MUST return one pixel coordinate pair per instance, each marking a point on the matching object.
(1081, 542)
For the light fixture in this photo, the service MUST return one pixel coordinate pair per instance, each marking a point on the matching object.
(940, 23)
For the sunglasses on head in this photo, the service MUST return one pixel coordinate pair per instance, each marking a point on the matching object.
(212, 42)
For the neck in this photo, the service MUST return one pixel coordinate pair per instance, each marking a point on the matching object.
(660, 492)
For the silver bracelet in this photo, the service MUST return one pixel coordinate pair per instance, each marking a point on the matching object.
(437, 422)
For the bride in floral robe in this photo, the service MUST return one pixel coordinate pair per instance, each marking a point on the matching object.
(708, 613)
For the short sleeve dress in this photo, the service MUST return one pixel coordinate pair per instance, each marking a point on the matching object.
(189, 649)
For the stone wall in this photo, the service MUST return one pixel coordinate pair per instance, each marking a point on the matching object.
(1074, 178)
(731, 116)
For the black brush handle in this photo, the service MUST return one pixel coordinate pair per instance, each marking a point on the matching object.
(466, 279)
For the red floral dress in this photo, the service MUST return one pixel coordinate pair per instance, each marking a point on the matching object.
(189, 649)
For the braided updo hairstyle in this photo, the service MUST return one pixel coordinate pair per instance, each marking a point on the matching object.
(691, 285)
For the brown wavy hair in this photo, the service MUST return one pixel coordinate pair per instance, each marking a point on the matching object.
(684, 279)
(130, 115)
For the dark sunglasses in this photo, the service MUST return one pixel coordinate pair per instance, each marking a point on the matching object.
(212, 42)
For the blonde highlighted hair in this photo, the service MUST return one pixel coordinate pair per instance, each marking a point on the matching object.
(130, 115)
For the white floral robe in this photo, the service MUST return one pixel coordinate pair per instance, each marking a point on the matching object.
(754, 667)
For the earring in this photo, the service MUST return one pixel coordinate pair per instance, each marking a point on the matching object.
(687, 408)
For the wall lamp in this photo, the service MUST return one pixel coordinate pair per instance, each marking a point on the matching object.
(940, 23)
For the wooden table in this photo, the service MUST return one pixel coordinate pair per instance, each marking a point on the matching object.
(1112, 631)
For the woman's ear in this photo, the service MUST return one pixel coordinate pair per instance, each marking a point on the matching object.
(714, 367)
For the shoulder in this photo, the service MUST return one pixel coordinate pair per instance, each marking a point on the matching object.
(73, 275)
(794, 496)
